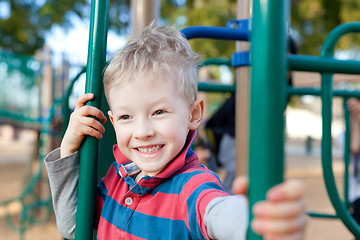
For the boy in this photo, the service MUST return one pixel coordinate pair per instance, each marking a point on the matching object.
(156, 189)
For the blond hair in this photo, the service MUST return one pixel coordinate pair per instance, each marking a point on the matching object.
(158, 53)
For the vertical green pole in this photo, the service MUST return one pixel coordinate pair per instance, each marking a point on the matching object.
(346, 152)
(267, 99)
(89, 151)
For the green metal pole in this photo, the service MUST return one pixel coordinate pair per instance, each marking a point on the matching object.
(65, 108)
(89, 151)
(326, 144)
(267, 99)
(317, 92)
(346, 152)
(321, 64)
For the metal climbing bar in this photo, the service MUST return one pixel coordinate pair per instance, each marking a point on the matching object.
(321, 64)
(223, 33)
(215, 87)
(267, 99)
(326, 144)
(317, 92)
(89, 151)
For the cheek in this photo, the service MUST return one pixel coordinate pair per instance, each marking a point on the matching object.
(176, 132)
(122, 134)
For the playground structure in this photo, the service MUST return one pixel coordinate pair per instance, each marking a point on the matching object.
(267, 101)
(268, 92)
(28, 105)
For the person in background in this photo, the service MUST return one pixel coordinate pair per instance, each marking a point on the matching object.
(354, 179)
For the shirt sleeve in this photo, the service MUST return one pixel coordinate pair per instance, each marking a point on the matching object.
(63, 177)
(226, 218)
(198, 190)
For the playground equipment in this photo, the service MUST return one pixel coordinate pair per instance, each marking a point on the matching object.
(20, 106)
(15, 107)
(268, 93)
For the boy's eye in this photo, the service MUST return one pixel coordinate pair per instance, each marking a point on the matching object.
(124, 117)
(159, 112)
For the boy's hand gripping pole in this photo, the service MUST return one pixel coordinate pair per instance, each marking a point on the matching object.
(89, 151)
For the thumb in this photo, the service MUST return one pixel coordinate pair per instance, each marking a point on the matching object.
(240, 185)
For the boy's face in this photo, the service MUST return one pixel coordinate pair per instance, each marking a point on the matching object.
(151, 121)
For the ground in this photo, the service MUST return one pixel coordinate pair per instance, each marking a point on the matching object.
(13, 171)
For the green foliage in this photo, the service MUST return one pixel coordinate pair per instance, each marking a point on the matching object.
(23, 29)
(314, 19)
(203, 12)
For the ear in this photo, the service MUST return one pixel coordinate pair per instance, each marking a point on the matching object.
(111, 117)
(196, 114)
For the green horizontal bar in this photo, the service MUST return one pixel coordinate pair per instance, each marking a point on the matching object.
(322, 215)
(316, 92)
(216, 87)
(11, 116)
(321, 64)
(216, 61)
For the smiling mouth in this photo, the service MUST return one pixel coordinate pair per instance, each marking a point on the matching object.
(151, 149)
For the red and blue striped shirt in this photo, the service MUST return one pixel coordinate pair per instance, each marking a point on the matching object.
(170, 205)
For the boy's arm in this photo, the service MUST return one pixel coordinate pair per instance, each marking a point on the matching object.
(63, 177)
(63, 163)
(281, 216)
(221, 222)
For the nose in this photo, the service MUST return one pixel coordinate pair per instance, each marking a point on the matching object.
(143, 129)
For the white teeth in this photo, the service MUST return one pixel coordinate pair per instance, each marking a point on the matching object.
(150, 150)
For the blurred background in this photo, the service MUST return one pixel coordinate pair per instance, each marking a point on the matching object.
(43, 52)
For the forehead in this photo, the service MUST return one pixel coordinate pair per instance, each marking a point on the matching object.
(147, 90)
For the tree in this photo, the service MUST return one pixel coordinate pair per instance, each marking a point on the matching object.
(23, 23)
(202, 12)
(22, 29)
(314, 19)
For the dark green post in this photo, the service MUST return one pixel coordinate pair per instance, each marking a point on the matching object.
(267, 99)
(89, 151)
(346, 152)
(326, 143)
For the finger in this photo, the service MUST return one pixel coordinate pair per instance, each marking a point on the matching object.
(87, 130)
(294, 236)
(83, 99)
(279, 226)
(240, 185)
(289, 190)
(93, 123)
(279, 209)
(91, 111)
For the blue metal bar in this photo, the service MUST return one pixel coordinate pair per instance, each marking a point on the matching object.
(222, 33)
